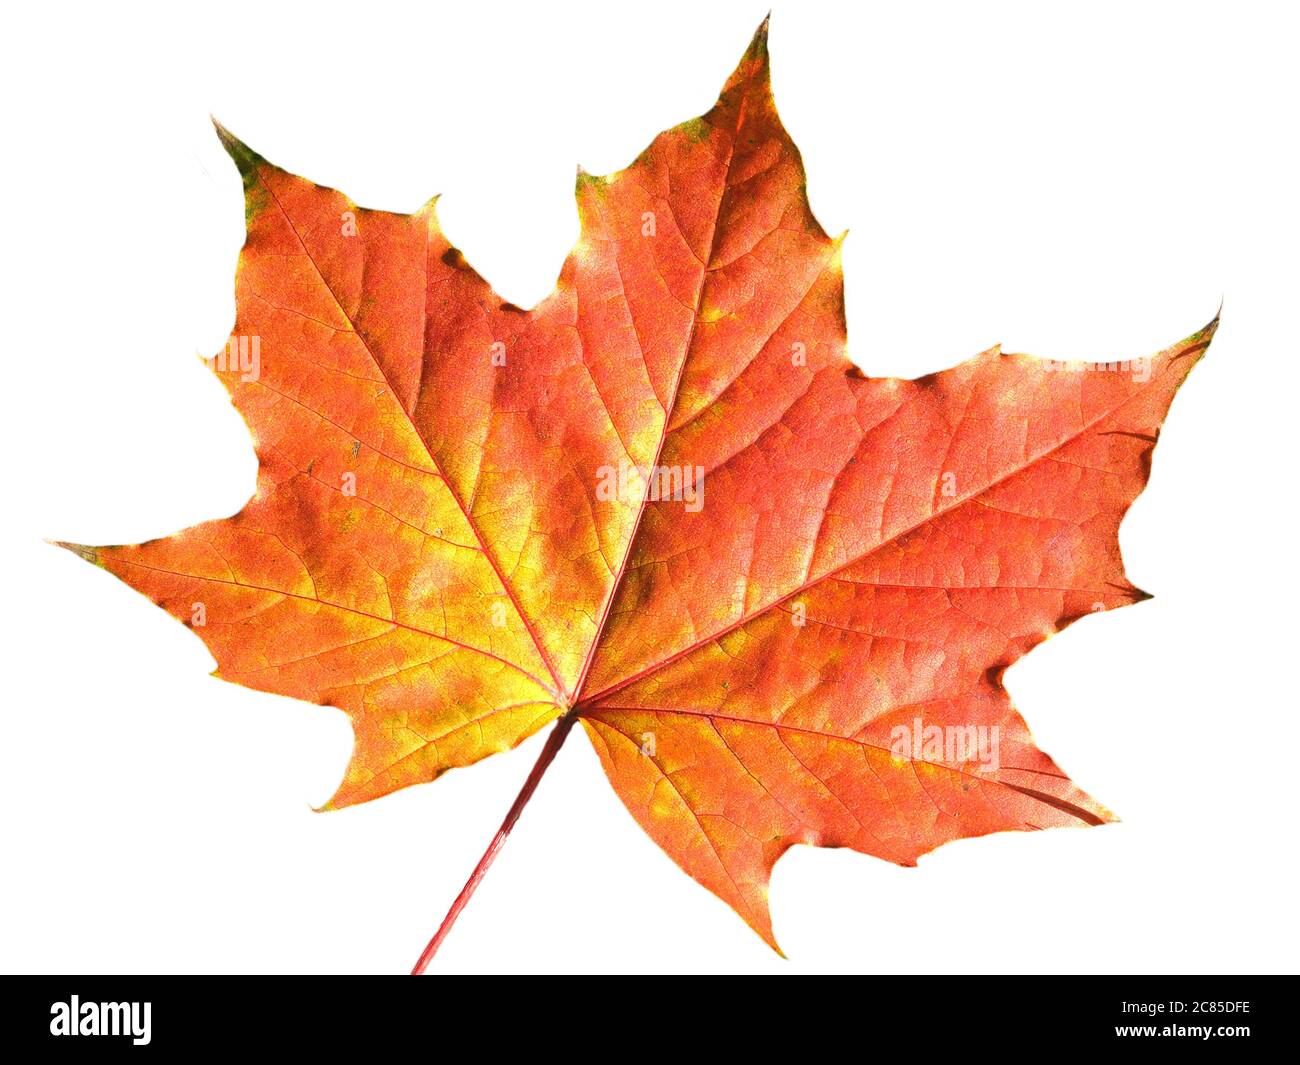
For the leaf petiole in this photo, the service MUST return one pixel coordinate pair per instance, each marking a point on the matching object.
(553, 744)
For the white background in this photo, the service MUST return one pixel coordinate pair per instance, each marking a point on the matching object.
(1075, 182)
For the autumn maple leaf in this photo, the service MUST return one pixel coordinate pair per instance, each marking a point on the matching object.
(778, 595)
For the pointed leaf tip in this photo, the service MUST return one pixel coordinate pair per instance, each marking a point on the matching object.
(753, 65)
(90, 554)
(244, 156)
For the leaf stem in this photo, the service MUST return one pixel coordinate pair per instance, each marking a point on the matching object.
(553, 744)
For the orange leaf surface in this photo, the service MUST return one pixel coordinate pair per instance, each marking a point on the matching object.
(779, 595)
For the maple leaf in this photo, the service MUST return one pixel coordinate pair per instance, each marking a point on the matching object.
(472, 520)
